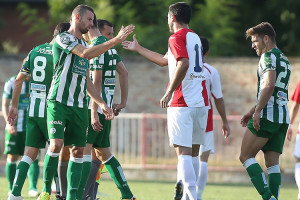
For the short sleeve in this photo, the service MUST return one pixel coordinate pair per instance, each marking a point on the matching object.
(296, 95)
(268, 62)
(177, 45)
(66, 42)
(216, 88)
(8, 88)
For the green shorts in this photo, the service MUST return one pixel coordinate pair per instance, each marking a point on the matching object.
(274, 131)
(14, 144)
(67, 123)
(99, 139)
(37, 133)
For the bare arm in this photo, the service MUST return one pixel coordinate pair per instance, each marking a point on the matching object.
(293, 113)
(96, 50)
(97, 81)
(181, 69)
(13, 112)
(265, 95)
(154, 57)
(123, 80)
(5, 107)
(221, 109)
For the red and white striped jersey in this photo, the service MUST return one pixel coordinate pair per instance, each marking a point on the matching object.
(191, 92)
(214, 89)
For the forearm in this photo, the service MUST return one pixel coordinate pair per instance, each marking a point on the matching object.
(154, 57)
(221, 109)
(294, 112)
(265, 96)
(5, 108)
(17, 90)
(123, 80)
(92, 92)
(181, 69)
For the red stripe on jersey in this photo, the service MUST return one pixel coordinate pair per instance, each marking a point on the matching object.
(210, 124)
(206, 68)
(204, 93)
(177, 41)
(178, 100)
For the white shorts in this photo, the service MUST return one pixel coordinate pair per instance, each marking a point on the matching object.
(297, 147)
(208, 144)
(186, 125)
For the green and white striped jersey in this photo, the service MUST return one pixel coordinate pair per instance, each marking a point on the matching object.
(107, 63)
(23, 101)
(276, 109)
(39, 64)
(70, 72)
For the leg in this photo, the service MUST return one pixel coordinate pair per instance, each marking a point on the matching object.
(10, 169)
(251, 145)
(51, 163)
(74, 171)
(62, 169)
(115, 170)
(274, 175)
(22, 169)
(86, 168)
(203, 172)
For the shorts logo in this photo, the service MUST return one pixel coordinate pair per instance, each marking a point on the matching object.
(52, 130)
(55, 122)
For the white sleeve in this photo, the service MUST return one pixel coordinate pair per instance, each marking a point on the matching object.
(216, 88)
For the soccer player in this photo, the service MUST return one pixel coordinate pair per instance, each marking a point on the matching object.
(104, 68)
(213, 87)
(186, 113)
(15, 134)
(38, 67)
(67, 113)
(293, 113)
(267, 121)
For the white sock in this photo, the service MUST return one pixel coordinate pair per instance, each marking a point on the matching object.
(297, 175)
(185, 166)
(202, 178)
(196, 169)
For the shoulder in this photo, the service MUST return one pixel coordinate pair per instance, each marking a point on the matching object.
(65, 38)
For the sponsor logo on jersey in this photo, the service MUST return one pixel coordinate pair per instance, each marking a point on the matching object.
(192, 76)
(55, 122)
(109, 81)
(45, 51)
(52, 130)
(38, 87)
(65, 39)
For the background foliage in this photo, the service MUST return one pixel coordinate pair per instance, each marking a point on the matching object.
(223, 22)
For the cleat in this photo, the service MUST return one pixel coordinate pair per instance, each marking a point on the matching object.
(133, 198)
(178, 190)
(13, 197)
(33, 193)
(44, 196)
(58, 197)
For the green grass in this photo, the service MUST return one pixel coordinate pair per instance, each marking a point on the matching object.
(149, 190)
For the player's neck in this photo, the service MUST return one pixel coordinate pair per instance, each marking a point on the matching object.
(178, 27)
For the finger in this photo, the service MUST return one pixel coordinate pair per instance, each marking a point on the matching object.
(134, 37)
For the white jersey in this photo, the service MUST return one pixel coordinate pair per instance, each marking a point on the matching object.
(186, 44)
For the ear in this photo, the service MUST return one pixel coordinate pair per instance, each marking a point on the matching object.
(266, 39)
(173, 18)
(77, 16)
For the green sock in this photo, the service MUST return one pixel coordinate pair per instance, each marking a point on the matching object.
(50, 169)
(21, 174)
(33, 174)
(274, 177)
(10, 170)
(74, 176)
(257, 178)
(86, 168)
(115, 170)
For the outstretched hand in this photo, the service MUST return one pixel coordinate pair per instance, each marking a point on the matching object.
(125, 31)
(131, 45)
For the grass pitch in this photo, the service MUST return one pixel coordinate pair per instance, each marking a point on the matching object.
(150, 190)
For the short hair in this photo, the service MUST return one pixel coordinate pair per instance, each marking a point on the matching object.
(61, 27)
(262, 29)
(205, 45)
(182, 12)
(81, 9)
(102, 22)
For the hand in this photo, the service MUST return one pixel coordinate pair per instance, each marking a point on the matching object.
(289, 133)
(107, 111)
(124, 32)
(12, 116)
(117, 108)
(245, 119)
(132, 46)
(12, 130)
(256, 120)
(226, 130)
(165, 100)
(97, 126)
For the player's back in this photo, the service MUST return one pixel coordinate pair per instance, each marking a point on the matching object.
(39, 65)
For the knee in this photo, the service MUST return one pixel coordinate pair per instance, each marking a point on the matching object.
(55, 146)
(77, 151)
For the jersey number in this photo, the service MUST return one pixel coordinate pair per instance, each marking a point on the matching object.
(197, 67)
(283, 75)
(39, 64)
